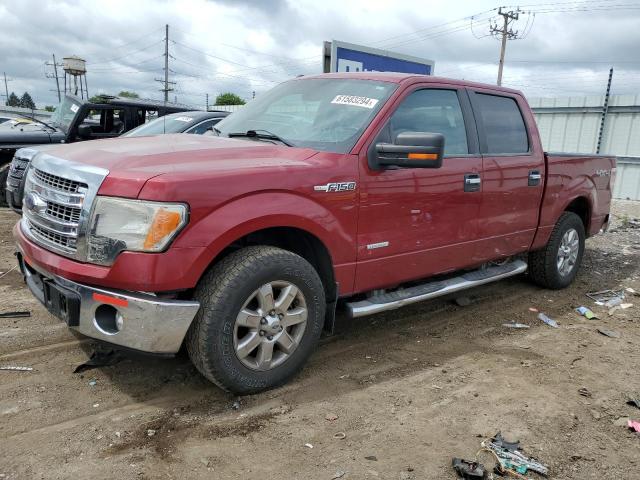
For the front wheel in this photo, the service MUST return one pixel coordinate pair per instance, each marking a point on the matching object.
(261, 316)
(557, 264)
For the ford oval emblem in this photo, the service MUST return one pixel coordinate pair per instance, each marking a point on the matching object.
(34, 203)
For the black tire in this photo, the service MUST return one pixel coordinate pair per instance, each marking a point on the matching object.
(223, 291)
(4, 173)
(543, 266)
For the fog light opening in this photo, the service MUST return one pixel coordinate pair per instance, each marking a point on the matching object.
(108, 320)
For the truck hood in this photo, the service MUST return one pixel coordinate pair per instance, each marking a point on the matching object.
(132, 161)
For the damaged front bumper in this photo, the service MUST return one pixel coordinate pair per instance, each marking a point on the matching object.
(132, 320)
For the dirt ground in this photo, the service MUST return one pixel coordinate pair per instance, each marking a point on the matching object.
(410, 389)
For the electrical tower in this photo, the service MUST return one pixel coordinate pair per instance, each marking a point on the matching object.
(166, 81)
(505, 32)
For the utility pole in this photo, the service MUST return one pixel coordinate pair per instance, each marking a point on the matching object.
(605, 110)
(55, 75)
(166, 81)
(506, 33)
(6, 89)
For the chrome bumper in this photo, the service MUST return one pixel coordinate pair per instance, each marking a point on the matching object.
(133, 320)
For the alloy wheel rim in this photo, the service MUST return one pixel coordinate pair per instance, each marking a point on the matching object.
(270, 325)
(568, 252)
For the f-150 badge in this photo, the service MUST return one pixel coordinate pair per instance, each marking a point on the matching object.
(336, 187)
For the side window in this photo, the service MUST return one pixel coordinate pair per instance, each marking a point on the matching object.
(503, 124)
(203, 127)
(432, 111)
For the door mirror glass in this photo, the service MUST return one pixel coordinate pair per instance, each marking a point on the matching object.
(411, 150)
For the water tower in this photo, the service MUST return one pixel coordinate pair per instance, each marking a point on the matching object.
(75, 68)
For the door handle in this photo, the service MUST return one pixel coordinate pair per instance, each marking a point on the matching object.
(472, 182)
(534, 178)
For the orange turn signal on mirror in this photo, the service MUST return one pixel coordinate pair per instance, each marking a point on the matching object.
(423, 156)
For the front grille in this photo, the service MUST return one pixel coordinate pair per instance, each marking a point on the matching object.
(50, 236)
(59, 183)
(62, 212)
(52, 209)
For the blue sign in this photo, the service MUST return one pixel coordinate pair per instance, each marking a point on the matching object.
(346, 57)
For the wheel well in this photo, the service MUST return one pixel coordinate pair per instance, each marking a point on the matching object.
(580, 206)
(298, 241)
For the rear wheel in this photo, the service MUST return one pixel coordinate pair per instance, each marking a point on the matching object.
(557, 264)
(261, 315)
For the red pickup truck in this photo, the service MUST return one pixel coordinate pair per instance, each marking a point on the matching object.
(367, 191)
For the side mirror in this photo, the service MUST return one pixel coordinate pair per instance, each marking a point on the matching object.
(84, 131)
(411, 150)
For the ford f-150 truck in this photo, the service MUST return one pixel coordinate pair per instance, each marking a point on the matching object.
(365, 191)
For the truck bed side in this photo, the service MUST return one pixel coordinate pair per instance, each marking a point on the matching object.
(575, 182)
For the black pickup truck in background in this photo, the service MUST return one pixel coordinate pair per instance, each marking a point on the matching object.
(77, 120)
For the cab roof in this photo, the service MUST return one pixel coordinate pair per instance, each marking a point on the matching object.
(400, 78)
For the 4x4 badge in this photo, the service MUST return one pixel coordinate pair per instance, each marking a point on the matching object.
(336, 187)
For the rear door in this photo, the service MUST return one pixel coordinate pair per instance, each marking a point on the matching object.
(416, 222)
(512, 173)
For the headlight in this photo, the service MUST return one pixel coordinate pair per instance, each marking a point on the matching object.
(118, 224)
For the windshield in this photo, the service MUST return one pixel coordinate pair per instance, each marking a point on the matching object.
(173, 123)
(64, 114)
(325, 113)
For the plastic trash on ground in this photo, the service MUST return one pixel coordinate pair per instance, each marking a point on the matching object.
(586, 313)
(511, 459)
(549, 321)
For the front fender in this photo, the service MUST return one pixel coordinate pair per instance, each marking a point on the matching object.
(333, 225)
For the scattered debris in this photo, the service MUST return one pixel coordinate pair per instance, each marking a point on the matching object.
(632, 291)
(339, 435)
(235, 405)
(151, 433)
(515, 325)
(338, 474)
(331, 417)
(467, 469)
(584, 392)
(100, 358)
(586, 313)
(614, 302)
(604, 296)
(608, 333)
(96, 405)
(14, 314)
(533, 309)
(10, 270)
(549, 321)
(463, 301)
(633, 425)
(621, 422)
(93, 383)
(634, 402)
(308, 445)
(510, 458)
(624, 306)
(371, 458)
(16, 368)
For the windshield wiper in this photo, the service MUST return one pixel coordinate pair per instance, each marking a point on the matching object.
(262, 134)
(40, 121)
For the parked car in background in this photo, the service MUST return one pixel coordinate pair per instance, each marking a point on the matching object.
(74, 120)
(196, 121)
(379, 189)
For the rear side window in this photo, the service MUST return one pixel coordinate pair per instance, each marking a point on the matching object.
(433, 111)
(503, 124)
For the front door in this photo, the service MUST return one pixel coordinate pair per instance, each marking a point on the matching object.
(417, 222)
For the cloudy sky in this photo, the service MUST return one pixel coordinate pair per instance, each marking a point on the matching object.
(567, 47)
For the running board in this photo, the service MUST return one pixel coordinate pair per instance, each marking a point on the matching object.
(391, 300)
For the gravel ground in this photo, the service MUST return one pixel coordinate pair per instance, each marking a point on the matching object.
(408, 390)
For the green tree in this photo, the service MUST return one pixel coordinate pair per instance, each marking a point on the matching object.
(49, 108)
(13, 100)
(27, 102)
(128, 94)
(229, 98)
(97, 98)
